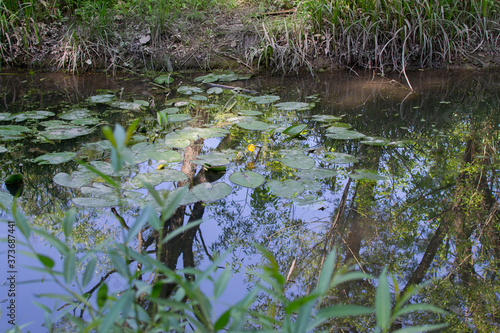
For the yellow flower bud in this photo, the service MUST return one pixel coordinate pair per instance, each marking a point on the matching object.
(251, 147)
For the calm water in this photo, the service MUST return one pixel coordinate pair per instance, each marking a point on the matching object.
(417, 192)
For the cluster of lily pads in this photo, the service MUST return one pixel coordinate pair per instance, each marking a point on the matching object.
(165, 150)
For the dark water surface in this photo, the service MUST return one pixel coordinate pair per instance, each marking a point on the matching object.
(418, 193)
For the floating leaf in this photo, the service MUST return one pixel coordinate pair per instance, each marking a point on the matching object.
(169, 175)
(55, 158)
(187, 90)
(199, 98)
(170, 110)
(316, 173)
(67, 132)
(5, 199)
(336, 127)
(247, 179)
(286, 189)
(296, 159)
(255, 125)
(215, 90)
(105, 98)
(86, 121)
(249, 113)
(96, 202)
(32, 115)
(339, 158)
(54, 123)
(371, 141)
(345, 135)
(176, 140)
(165, 78)
(128, 105)
(211, 160)
(325, 118)
(363, 174)
(4, 116)
(209, 192)
(294, 130)
(75, 180)
(266, 99)
(289, 106)
(76, 114)
(178, 117)
(97, 189)
(209, 78)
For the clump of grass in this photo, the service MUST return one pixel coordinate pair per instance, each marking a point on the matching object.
(393, 34)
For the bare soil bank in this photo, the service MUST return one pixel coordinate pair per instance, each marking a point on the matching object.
(235, 41)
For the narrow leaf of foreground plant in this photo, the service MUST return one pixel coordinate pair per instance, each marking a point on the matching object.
(383, 302)
(424, 328)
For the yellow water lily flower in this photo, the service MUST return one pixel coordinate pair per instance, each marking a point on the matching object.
(160, 167)
(250, 165)
(251, 147)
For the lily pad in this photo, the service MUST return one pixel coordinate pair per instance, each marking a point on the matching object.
(75, 180)
(339, 158)
(104, 98)
(363, 174)
(229, 77)
(372, 141)
(285, 189)
(55, 158)
(53, 123)
(95, 202)
(289, 106)
(67, 132)
(5, 199)
(178, 117)
(97, 189)
(4, 116)
(128, 105)
(211, 132)
(209, 192)
(326, 118)
(255, 125)
(86, 121)
(176, 140)
(215, 90)
(187, 90)
(316, 173)
(211, 160)
(158, 153)
(294, 130)
(165, 78)
(76, 114)
(199, 98)
(266, 99)
(32, 115)
(170, 110)
(247, 179)
(249, 113)
(169, 175)
(296, 159)
(345, 135)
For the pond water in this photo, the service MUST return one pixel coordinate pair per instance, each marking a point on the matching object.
(355, 161)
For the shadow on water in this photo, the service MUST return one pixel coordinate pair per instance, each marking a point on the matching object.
(417, 193)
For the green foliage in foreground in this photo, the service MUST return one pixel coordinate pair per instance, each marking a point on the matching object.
(138, 307)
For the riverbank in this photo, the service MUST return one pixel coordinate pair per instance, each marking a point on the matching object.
(250, 36)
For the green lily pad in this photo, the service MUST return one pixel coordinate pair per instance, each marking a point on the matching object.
(289, 106)
(5, 199)
(178, 117)
(170, 110)
(249, 113)
(311, 201)
(158, 177)
(86, 121)
(165, 78)
(326, 118)
(4, 116)
(199, 98)
(169, 175)
(209, 192)
(211, 132)
(296, 159)
(229, 77)
(285, 189)
(255, 125)
(336, 127)
(95, 202)
(294, 130)
(266, 99)
(13, 130)
(215, 90)
(128, 105)
(187, 90)
(345, 135)
(67, 132)
(32, 115)
(211, 160)
(316, 173)
(76, 114)
(104, 98)
(54, 123)
(55, 158)
(97, 189)
(75, 180)
(176, 140)
(247, 179)
(339, 158)
(158, 153)
(363, 174)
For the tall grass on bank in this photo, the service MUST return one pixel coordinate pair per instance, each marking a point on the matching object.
(393, 34)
